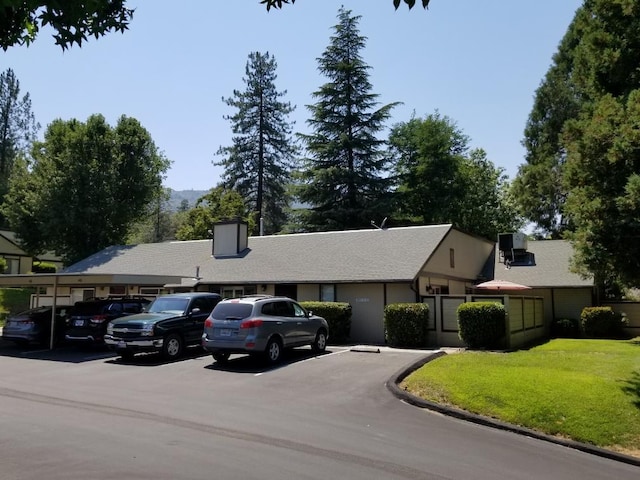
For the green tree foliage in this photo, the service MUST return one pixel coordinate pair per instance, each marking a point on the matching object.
(396, 3)
(84, 186)
(258, 162)
(581, 176)
(219, 204)
(441, 181)
(73, 21)
(18, 128)
(539, 186)
(602, 165)
(343, 179)
(159, 225)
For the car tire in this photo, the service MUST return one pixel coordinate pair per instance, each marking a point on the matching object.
(172, 346)
(273, 352)
(320, 343)
(220, 357)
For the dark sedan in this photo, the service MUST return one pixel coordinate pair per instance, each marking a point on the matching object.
(34, 326)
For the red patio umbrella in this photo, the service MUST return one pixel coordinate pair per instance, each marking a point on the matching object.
(501, 285)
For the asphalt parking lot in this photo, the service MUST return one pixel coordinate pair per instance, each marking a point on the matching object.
(312, 416)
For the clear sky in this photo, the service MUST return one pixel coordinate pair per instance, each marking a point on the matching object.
(478, 62)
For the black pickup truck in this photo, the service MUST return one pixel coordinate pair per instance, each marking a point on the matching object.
(168, 325)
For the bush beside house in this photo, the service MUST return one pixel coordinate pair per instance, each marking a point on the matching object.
(406, 324)
(481, 324)
(602, 322)
(337, 315)
(13, 300)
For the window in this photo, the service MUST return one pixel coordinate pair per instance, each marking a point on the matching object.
(13, 265)
(452, 258)
(117, 290)
(298, 310)
(328, 293)
(233, 292)
(149, 291)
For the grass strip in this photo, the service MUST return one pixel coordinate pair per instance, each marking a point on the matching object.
(584, 390)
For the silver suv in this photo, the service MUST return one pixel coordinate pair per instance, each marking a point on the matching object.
(262, 324)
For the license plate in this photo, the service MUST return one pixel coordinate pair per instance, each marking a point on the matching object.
(79, 323)
(225, 332)
(122, 345)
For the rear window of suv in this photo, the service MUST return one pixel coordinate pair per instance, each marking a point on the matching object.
(232, 311)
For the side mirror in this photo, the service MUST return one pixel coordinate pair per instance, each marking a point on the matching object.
(195, 311)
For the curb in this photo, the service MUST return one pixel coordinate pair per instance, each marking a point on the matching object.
(394, 381)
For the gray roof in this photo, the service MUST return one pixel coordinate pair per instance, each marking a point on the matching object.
(395, 254)
(552, 267)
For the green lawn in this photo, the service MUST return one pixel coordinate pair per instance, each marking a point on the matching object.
(585, 390)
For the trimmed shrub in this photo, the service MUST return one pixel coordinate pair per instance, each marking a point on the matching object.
(337, 315)
(481, 324)
(406, 324)
(602, 322)
(565, 328)
(14, 300)
(43, 267)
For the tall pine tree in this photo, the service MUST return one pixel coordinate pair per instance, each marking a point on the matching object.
(18, 128)
(343, 180)
(258, 162)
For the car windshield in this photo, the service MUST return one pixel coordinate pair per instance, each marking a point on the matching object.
(232, 311)
(169, 305)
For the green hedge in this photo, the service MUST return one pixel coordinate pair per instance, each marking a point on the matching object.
(406, 324)
(44, 267)
(481, 324)
(601, 322)
(337, 315)
(14, 300)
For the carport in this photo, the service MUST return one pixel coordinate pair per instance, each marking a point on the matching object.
(54, 281)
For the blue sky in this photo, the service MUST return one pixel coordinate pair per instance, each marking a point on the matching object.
(478, 62)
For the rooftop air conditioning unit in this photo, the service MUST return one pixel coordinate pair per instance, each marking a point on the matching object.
(512, 241)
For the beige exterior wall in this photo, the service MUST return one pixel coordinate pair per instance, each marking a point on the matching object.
(400, 293)
(367, 307)
(569, 302)
(455, 264)
(308, 292)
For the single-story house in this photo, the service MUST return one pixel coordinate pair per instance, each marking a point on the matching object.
(543, 265)
(18, 261)
(368, 269)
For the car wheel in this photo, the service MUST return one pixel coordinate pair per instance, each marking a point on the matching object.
(320, 343)
(273, 351)
(172, 346)
(220, 357)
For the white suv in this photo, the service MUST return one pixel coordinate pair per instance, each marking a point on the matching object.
(262, 324)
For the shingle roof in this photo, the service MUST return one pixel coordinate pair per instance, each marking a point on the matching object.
(395, 254)
(551, 269)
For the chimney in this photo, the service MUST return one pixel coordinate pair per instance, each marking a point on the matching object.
(230, 238)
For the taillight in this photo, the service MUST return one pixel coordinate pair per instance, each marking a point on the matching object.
(251, 323)
(98, 319)
(208, 323)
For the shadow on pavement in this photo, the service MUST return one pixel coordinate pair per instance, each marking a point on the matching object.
(258, 364)
(154, 359)
(62, 353)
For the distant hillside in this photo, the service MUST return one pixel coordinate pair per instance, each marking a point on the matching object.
(191, 196)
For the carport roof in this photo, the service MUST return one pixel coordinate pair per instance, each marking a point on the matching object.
(374, 255)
